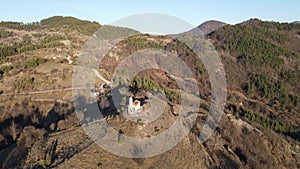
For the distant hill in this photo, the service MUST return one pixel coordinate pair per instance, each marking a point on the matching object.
(296, 22)
(82, 26)
(210, 26)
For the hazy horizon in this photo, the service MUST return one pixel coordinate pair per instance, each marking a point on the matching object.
(192, 11)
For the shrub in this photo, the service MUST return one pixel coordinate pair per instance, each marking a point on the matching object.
(28, 136)
(13, 130)
(149, 85)
(5, 34)
(24, 83)
(6, 69)
(34, 62)
(45, 162)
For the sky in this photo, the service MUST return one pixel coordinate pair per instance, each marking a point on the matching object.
(192, 11)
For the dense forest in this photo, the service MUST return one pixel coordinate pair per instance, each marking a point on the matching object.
(256, 43)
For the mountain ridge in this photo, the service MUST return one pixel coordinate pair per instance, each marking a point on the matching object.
(261, 118)
(210, 26)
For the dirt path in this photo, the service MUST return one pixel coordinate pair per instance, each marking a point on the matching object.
(238, 93)
(57, 90)
(44, 91)
(101, 77)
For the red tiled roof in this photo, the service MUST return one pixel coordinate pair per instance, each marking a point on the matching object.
(136, 102)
